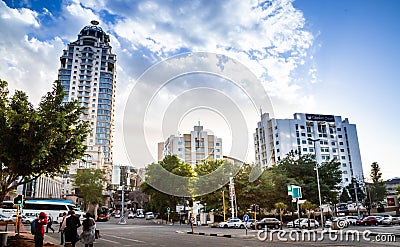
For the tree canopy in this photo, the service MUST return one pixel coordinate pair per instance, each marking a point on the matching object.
(90, 184)
(36, 141)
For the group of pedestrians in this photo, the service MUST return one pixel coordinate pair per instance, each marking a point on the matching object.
(68, 229)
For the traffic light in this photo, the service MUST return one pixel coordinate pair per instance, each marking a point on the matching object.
(19, 199)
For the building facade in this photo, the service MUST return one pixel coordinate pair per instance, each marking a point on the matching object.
(193, 148)
(88, 74)
(327, 136)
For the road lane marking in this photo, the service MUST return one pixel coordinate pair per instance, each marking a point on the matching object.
(106, 240)
(133, 240)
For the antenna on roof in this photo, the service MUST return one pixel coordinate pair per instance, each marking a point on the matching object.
(94, 22)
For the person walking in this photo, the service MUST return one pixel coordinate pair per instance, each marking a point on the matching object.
(72, 223)
(88, 231)
(49, 224)
(39, 229)
(61, 229)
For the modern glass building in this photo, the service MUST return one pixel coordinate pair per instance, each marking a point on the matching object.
(88, 74)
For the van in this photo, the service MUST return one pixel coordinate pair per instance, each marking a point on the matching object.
(139, 213)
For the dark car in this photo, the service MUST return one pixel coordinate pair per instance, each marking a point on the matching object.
(368, 221)
(266, 222)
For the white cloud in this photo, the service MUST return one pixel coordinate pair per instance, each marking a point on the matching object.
(270, 39)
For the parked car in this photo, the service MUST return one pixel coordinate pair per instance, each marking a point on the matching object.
(232, 223)
(267, 222)
(4, 218)
(250, 222)
(328, 223)
(304, 223)
(149, 216)
(352, 220)
(368, 221)
(131, 215)
(117, 214)
(396, 220)
(380, 218)
(25, 219)
(296, 223)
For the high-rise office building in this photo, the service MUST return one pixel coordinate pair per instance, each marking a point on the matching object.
(333, 137)
(193, 148)
(88, 74)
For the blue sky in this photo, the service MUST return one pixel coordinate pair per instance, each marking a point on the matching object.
(330, 57)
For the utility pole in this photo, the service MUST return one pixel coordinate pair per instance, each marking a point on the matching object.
(123, 181)
(232, 196)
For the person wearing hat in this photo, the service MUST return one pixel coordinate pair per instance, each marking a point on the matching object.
(39, 229)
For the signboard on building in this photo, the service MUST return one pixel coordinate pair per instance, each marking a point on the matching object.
(318, 117)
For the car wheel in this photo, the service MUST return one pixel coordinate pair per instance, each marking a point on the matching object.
(304, 227)
(366, 223)
(376, 223)
(259, 227)
(241, 227)
(276, 226)
(225, 226)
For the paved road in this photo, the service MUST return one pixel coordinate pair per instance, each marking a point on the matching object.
(139, 232)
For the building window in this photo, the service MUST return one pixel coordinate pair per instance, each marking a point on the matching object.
(339, 129)
(304, 142)
(340, 136)
(304, 149)
(342, 150)
(340, 143)
(344, 165)
(343, 157)
(277, 142)
(303, 134)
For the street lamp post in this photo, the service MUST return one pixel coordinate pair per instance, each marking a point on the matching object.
(319, 188)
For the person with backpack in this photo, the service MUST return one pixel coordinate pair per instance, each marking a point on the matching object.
(88, 231)
(37, 229)
(49, 224)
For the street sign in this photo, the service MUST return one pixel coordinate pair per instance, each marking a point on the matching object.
(289, 189)
(296, 192)
(245, 218)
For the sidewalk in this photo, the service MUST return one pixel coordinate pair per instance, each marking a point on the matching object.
(26, 240)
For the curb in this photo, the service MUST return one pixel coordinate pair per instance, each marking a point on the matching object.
(254, 236)
(210, 234)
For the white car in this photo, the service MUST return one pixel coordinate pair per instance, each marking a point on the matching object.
(149, 216)
(232, 223)
(304, 224)
(352, 220)
(296, 223)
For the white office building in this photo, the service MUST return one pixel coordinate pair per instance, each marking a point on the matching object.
(88, 74)
(332, 137)
(193, 148)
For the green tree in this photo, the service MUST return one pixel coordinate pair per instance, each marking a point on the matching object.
(377, 191)
(308, 207)
(356, 186)
(281, 207)
(300, 170)
(90, 184)
(38, 141)
(160, 201)
(344, 196)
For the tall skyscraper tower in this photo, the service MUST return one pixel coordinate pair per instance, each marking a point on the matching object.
(88, 74)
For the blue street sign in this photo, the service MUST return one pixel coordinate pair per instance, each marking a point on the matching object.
(245, 218)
